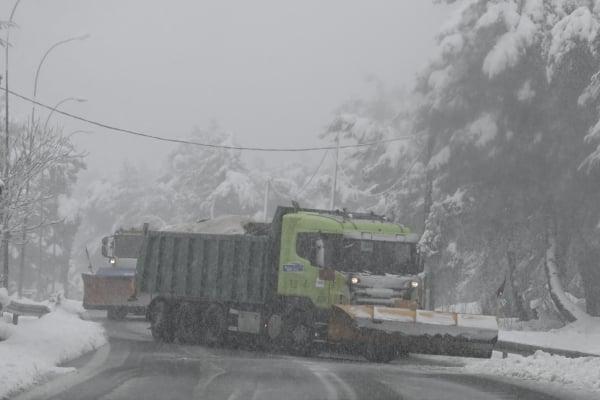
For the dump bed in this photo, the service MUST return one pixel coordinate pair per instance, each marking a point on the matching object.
(228, 268)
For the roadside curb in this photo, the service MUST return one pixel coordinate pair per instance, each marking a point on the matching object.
(527, 350)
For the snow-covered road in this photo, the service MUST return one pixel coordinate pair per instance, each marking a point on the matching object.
(32, 351)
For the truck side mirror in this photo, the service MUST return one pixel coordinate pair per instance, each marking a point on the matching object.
(104, 246)
(320, 247)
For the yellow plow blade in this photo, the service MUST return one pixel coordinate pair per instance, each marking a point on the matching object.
(417, 331)
(101, 292)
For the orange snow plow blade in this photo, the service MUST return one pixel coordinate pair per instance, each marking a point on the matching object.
(415, 331)
(103, 291)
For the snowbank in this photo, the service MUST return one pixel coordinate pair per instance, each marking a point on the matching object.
(582, 336)
(580, 373)
(33, 349)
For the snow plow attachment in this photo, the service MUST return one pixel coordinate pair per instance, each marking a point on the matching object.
(102, 291)
(113, 289)
(404, 330)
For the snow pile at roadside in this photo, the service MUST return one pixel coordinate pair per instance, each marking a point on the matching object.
(581, 373)
(582, 336)
(31, 350)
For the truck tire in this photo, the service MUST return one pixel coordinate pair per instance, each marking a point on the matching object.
(116, 313)
(214, 326)
(188, 322)
(161, 321)
(378, 351)
(297, 334)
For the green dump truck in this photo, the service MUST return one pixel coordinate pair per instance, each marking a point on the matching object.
(310, 278)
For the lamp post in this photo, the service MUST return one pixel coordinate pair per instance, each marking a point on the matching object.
(27, 186)
(335, 172)
(6, 166)
(77, 99)
(40, 241)
(37, 73)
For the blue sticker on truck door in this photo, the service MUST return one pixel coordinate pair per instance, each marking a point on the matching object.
(293, 266)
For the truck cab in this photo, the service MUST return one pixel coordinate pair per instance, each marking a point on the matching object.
(340, 258)
(122, 248)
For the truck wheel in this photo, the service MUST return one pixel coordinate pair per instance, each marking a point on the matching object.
(214, 326)
(297, 334)
(116, 313)
(378, 351)
(161, 322)
(187, 323)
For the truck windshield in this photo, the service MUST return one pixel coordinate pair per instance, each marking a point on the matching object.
(127, 246)
(353, 255)
(377, 257)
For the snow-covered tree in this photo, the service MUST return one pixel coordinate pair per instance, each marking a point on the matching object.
(509, 115)
(387, 175)
(209, 181)
(27, 207)
(133, 199)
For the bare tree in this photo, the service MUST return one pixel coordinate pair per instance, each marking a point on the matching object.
(32, 152)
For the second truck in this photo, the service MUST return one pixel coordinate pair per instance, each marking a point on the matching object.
(111, 287)
(309, 279)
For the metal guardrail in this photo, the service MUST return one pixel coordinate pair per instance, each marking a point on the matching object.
(17, 309)
(527, 350)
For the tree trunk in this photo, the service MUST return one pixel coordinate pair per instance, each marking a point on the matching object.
(568, 310)
(5, 241)
(589, 269)
(515, 296)
(427, 204)
(22, 257)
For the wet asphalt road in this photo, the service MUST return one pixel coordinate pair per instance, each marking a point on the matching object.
(132, 366)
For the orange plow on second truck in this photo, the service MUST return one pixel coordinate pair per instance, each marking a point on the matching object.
(112, 292)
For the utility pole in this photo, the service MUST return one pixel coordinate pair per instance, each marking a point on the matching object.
(6, 167)
(335, 172)
(266, 203)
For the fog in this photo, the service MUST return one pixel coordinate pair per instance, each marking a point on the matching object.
(271, 72)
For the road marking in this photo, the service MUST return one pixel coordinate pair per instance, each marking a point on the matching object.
(212, 370)
(70, 379)
(335, 387)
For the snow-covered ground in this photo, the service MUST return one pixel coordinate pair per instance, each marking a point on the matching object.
(582, 336)
(580, 373)
(33, 350)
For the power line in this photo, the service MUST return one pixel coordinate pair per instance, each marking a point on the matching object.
(389, 189)
(164, 139)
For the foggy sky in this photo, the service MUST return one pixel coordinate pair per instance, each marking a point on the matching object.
(272, 72)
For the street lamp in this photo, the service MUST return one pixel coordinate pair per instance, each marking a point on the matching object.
(35, 85)
(80, 131)
(77, 99)
(40, 239)
(37, 73)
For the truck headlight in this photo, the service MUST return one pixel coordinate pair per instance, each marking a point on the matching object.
(354, 280)
(112, 261)
(414, 284)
